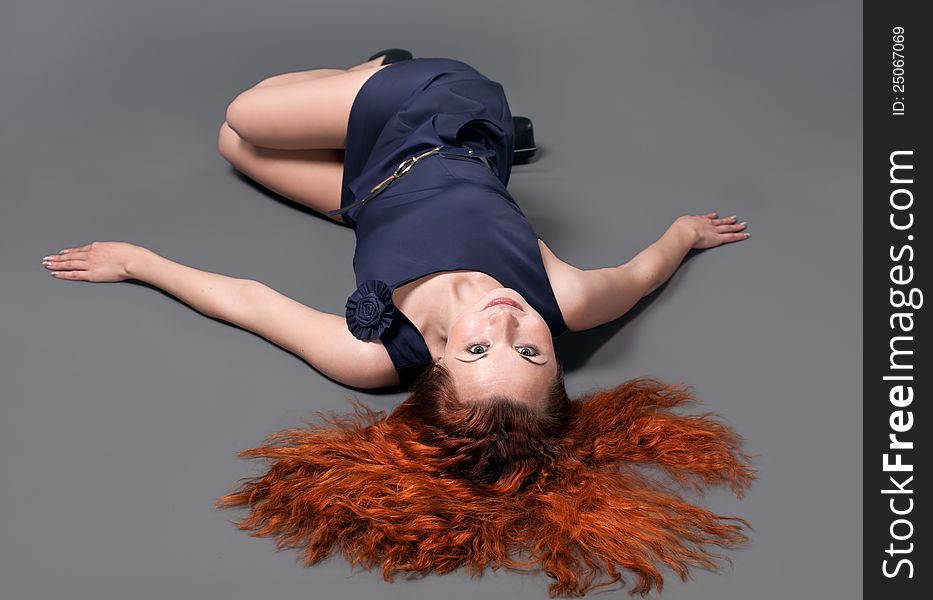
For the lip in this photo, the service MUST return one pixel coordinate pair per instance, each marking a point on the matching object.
(504, 300)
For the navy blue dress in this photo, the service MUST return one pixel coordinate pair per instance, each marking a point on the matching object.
(444, 214)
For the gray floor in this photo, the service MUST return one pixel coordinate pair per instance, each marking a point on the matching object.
(122, 408)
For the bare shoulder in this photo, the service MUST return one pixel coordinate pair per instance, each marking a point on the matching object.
(567, 283)
(591, 297)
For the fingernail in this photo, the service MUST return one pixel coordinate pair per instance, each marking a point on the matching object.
(744, 223)
(748, 235)
(53, 273)
(47, 257)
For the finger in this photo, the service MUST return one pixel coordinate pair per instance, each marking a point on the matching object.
(728, 228)
(724, 220)
(57, 258)
(68, 274)
(711, 215)
(68, 265)
(75, 249)
(735, 237)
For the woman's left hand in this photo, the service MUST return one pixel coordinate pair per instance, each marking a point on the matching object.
(709, 231)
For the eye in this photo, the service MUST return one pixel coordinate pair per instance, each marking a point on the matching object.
(523, 350)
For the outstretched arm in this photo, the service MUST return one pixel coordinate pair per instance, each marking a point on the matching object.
(320, 338)
(589, 298)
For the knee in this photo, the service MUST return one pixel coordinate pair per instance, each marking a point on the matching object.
(238, 114)
(228, 143)
(267, 81)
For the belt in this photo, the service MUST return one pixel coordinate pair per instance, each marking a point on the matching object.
(408, 163)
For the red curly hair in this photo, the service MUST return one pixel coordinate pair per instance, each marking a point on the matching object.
(441, 483)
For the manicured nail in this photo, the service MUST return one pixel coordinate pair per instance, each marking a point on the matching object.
(47, 257)
(748, 235)
(53, 272)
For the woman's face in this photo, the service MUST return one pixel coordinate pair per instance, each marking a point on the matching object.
(501, 345)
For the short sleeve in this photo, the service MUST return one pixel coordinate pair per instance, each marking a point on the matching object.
(407, 349)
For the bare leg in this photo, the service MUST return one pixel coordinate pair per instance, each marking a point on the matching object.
(308, 177)
(297, 76)
(308, 114)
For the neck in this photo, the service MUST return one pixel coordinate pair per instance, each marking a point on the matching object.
(462, 295)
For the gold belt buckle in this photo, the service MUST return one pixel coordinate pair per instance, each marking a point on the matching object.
(407, 164)
(404, 167)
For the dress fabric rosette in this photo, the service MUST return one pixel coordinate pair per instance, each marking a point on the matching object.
(370, 310)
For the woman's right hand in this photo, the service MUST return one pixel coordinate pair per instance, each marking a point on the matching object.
(97, 262)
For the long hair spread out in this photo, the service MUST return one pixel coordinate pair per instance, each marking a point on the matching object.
(582, 489)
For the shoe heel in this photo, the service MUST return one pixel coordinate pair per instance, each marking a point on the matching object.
(525, 146)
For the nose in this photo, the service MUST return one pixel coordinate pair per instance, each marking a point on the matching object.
(506, 316)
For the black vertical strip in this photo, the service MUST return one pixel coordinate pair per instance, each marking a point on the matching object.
(897, 373)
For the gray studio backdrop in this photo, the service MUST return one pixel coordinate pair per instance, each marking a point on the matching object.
(121, 409)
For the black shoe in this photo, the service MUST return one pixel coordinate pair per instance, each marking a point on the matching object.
(391, 55)
(524, 140)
